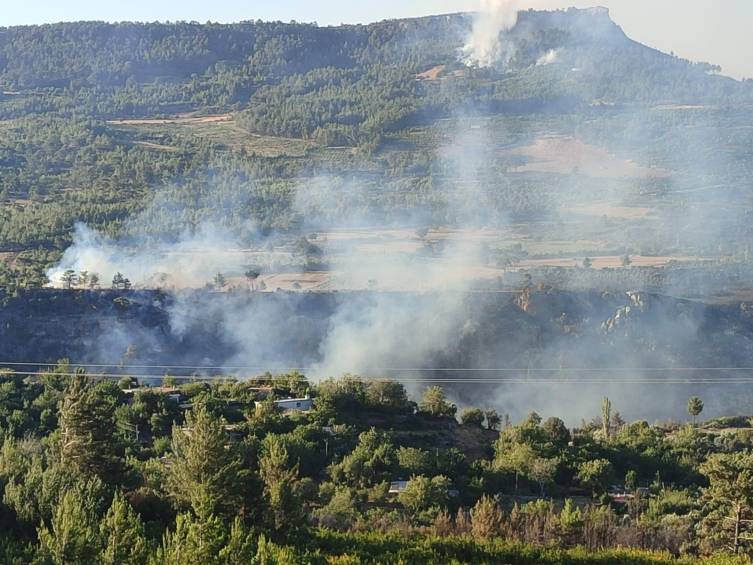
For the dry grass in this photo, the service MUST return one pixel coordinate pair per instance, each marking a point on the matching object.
(567, 155)
(158, 147)
(220, 129)
(680, 107)
(185, 119)
(8, 257)
(433, 73)
(608, 261)
(610, 210)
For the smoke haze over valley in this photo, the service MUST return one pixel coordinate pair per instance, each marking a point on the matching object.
(512, 195)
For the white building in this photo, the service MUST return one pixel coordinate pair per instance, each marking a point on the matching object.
(293, 404)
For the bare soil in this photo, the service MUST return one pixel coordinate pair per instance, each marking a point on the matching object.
(610, 210)
(609, 261)
(8, 257)
(181, 119)
(567, 155)
(432, 74)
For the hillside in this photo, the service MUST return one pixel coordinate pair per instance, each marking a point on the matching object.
(299, 126)
(580, 344)
(403, 292)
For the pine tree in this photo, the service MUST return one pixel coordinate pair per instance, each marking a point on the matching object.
(87, 432)
(486, 518)
(206, 471)
(280, 477)
(194, 540)
(239, 547)
(727, 523)
(72, 538)
(695, 407)
(606, 417)
(122, 534)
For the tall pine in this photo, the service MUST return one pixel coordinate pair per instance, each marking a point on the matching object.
(206, 471)
(87, 429)
(122, 534)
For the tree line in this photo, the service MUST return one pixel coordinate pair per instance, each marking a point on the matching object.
(216, 471)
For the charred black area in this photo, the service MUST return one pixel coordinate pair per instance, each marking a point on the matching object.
(532, 330)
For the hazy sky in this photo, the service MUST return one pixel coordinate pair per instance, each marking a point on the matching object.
(717, 31)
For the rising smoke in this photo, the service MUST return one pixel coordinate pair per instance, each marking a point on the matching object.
(420, 311)
(486, 44)
(548, 58)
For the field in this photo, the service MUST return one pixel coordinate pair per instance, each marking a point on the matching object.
(218, 129)
(8, 257)
(567, 155)
(184, 119)
(609, 262)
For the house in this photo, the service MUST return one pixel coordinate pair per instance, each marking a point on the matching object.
(172, 393)
(293, 404)
(396, 487)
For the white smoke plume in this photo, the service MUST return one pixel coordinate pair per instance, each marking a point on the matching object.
(548, 58)
(485, 45)
(192, 261)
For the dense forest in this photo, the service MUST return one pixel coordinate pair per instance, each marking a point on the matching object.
(352, 471)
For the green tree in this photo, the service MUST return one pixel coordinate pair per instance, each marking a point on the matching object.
(87, 431)
(372, 461)
(268, 553)
(472, 417)
(205, 471)
(727, 523)
(595, 475)
(631, 480)
(68, 279)
(193, 540)
(386, 394)
(695, 407)
(542, 471)
(557, 431)
(122, 534)
(414, 461)
(251, 275)
(435, 403)
(516, 458)
(219, 281)
(119, 281)
(422, 493)
(72, 538)
(280, 476)
(570, 522)
(606, 417)
(340, 513)
(493, 419)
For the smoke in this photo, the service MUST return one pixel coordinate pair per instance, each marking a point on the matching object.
(548, 58)
(191, 261)
(405, 303)
(416, 290)
(486, 46)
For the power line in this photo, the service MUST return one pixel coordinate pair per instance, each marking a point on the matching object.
(438, 380)
(396, 369)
